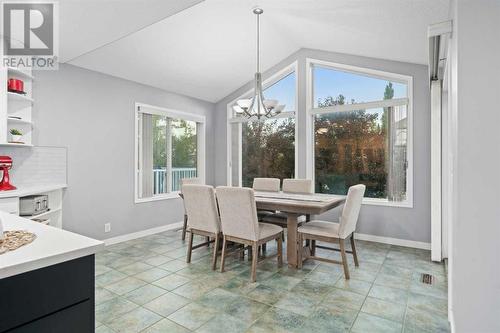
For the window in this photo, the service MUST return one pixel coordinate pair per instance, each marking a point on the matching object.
(266, 147)
(168, 149)
(361, 132)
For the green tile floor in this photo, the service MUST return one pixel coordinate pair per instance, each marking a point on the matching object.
(145, 285)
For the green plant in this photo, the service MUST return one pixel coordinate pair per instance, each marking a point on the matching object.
(15, 132)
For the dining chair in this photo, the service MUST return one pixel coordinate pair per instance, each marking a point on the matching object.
(303, 186)
(186, 181)
(266, 185)
(332, 232)
(295, 186)
(238, 215)
(201, 207)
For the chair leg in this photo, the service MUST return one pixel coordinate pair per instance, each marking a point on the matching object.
(344, 259)
(255, 256)
(313, 247)
(301, 241)
(264, 249)
(184, 227)
(250, 254)
(216, 249)
(190, 248)
(354, 253)
(280, 251)
(207, 239)
(223, 254)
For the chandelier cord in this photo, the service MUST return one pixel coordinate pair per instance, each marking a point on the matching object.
(258, 43)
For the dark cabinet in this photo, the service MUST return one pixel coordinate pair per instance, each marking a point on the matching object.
(58, 298)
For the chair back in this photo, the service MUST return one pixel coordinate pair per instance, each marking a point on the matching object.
(266, 184)
(201, 207)
(238, 212)
(297, 186)
(350, 213)
(186, 181)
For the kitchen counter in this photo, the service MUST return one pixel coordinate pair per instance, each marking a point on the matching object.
(52, 246)
(48, 285)
(22, 191)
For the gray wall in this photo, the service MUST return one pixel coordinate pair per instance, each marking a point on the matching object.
(403, 223)
(474, 263)
(93, 115)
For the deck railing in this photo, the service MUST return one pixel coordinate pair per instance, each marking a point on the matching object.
(159, 178)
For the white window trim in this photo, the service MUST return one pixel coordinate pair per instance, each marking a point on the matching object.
(287, 70)
(311, 112)
(200, 146)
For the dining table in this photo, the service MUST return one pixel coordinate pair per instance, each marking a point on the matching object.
(293, 206)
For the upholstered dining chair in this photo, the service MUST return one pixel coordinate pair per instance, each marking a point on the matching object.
(186, 181)
(296, 186)
(238, 214)
(201, 207)
(332, 232)
(266, 185)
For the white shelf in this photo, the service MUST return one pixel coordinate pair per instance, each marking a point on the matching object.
(19, 98)
(52, 211)
(19, 121)
(11, 144)
(18, 72)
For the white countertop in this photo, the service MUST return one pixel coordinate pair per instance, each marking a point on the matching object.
(22, 191)
(52, 246)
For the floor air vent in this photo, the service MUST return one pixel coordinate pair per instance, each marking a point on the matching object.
(427, 278)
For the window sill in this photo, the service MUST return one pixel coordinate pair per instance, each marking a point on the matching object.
(387, 203)
(166, 196)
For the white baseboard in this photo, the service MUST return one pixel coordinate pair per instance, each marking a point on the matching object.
(178, 225)
(394, 241)
(142, 233)
(451, 319)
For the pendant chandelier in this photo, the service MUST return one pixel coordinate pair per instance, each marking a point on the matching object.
(257, 106)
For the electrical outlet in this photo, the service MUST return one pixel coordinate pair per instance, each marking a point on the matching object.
(107, 227)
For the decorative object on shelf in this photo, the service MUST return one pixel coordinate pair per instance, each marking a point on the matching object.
(14, 239)
(16, 135)
(32, 205)
(16, 86)
(5, 165)
(257, 106)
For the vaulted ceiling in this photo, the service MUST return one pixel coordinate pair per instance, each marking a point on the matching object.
(206, 49)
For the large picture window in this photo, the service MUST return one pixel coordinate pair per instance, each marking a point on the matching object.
(168, 149)
(361, 133)
(266, 147)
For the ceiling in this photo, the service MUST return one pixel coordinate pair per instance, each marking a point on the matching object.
(208, 50)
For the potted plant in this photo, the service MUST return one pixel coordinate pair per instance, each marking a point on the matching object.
(16, 135)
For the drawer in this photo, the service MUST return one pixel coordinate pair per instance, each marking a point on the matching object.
(10, 205)
(33, 295)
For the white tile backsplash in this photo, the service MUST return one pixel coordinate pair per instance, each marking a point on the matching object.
(37, 165)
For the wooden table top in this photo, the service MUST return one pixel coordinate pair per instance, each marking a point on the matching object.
(298, 203)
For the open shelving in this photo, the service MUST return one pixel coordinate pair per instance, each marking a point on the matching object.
(16, 109)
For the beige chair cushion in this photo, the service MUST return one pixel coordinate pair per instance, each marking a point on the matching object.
(266, 184)
(321, 228)
(268, 230)
(297, 186)
(201, 207)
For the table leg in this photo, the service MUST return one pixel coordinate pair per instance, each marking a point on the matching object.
(291, 240)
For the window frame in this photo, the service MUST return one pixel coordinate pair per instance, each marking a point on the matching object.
(276, 77)
(311, 112)
(200, 121)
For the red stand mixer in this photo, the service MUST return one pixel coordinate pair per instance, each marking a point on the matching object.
(5, 165)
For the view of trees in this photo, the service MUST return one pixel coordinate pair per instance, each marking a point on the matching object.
(351, 148)
(268, 149)
(183, 143)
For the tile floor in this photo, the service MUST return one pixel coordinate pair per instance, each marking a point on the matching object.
(145, 285)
